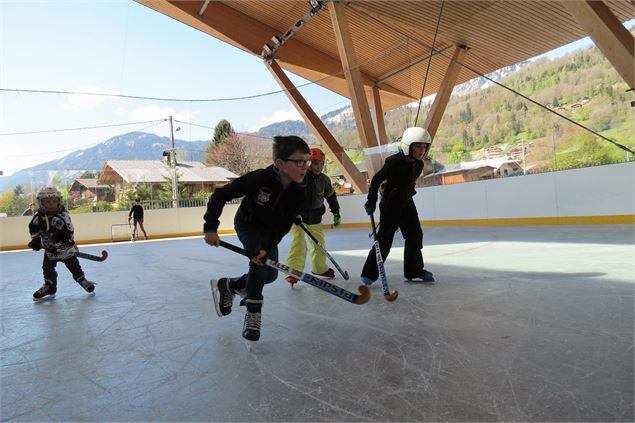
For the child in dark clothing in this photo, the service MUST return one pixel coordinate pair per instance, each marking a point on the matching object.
(51, 229)
(397, 209)
(136, 213)
(318, 188)
(272, 197)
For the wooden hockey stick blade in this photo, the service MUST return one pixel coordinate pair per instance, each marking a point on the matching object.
(391, 296)
(104, 256)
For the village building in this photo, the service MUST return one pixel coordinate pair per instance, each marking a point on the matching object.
(194, 176)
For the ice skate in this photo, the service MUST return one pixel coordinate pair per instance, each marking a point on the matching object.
(328, 274)
(253, 316)
(223, 297)
(425, 277)
(87, 285)
(367, 281)
(46, 292)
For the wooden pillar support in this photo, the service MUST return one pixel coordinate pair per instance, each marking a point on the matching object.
(378, 117)
(433, 120)
(318, 128)
(357, 93)
(608, 34)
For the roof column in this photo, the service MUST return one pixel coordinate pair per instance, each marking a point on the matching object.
(608, 34)
(378, 117)
(357, 93)
(318, 128)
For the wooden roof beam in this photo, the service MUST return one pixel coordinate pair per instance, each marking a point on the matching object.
(318, 128)
(404, 68)
(608, 34)
(433, 120)
(378, 117)
(357, 93)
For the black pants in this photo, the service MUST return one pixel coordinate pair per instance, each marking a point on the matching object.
(407, 220)
(254, 281)
(72, 264)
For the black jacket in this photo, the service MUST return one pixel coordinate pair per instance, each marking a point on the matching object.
(318, 189)
(400, 176)
(266, 206)
(55, 232)
(136, 211)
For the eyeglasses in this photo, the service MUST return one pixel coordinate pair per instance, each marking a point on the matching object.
(299, 162)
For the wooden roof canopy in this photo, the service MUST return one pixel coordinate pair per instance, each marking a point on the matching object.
(391, 35)
(392, 40)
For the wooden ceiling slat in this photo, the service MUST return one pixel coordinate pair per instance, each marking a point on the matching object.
(389, 35)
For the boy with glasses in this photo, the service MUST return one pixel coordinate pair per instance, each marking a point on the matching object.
(272, 197)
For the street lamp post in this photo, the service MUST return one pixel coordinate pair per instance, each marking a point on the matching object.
(175, 180)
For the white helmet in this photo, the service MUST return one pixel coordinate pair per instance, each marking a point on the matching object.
(413, 135)
(48, 192)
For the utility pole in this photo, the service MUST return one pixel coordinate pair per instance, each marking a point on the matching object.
(175, 180)
(524, 164)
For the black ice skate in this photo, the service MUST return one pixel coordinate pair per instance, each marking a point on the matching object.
(251, 328)
(87, 285)
(223, 297)
(46, 291)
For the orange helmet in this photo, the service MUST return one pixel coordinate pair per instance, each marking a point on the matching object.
(317, 155)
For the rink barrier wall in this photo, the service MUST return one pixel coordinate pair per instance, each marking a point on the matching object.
(588, 196)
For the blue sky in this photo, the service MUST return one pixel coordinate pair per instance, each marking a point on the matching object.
(122, 47)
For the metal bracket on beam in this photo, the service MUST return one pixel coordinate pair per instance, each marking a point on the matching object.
(268, 50)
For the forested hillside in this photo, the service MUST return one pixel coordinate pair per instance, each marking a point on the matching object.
(583, 86)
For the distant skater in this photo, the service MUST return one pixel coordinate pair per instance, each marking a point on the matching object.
(136, 213)
(51, 229)
(318, 188)
(271, 198)
(397, 209)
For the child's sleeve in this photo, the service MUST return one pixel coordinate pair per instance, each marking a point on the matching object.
(331, 197)
(34, 226)
(235, 189)
(379, 177)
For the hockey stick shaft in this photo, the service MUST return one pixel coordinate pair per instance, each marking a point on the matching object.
(321, 247)
(361, 298)
(104, 256)
(380, 260)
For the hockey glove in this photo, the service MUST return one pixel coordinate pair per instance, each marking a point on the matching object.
(337, 219)
(297, 220)
(35, 244)
(369, 207)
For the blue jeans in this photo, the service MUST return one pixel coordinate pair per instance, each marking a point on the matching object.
(258, 276)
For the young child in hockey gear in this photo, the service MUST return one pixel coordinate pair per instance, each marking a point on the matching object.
(136, 213)
(397, 209)
(51, 229)
(272, 197)
(318, 189)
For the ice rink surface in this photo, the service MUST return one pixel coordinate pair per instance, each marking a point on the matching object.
(523, 324)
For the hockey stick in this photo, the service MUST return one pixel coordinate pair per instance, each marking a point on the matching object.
(361, 298)
(104, 256)
(389, 296)
(370, 234)
(339, 269)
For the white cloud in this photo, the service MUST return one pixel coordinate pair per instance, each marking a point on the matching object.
(80, 101)
(279, 116)
(155, 112)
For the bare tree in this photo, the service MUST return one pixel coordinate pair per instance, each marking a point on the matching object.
(230, 154)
